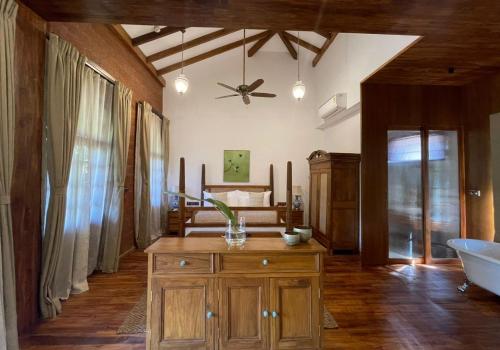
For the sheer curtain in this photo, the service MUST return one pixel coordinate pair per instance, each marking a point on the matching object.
(157, 175)
(151, 161)
(88, 187)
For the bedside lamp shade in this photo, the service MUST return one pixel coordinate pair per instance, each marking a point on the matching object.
(297, 190)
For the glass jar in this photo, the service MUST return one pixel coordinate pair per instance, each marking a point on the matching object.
(236, 235)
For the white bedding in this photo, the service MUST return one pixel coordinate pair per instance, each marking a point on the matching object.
(280, 229)
(222, 228)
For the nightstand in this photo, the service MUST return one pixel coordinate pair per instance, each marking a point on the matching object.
(297, 216)
(173, 223)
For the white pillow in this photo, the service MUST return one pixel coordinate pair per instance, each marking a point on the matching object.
(255, 199)
(220, 196)
(229, 198)
(232, 199)
(243, 198)
(267, 199)
(251, 199)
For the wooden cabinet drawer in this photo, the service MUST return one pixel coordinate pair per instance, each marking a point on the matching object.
(183, 263)
(268, 263)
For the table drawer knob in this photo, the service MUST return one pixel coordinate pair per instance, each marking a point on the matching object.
(265, 262)
(275, 314)
(182, 263)
(265, 314)
(210, 314)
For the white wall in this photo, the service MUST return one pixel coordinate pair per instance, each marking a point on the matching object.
(274, 130)
(349, 60)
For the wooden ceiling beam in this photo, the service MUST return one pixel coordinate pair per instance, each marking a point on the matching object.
(146, 38)
(123, 35)
(323, 33)
(256, 47)
(302, 43)
(211, 53)
(190, 44)
(288, 45)
(325, 47)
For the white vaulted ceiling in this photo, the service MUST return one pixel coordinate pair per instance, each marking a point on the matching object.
(275, 44)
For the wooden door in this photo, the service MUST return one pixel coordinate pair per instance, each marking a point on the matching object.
(295, 312)
(183, 313)
(319, 204)
(244, 313)
(345, 203)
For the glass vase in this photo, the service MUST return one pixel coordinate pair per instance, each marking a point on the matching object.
(236, 235)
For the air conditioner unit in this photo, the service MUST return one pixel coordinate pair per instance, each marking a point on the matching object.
(333, 105)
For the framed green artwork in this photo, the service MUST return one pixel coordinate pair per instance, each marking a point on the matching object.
(236, 166)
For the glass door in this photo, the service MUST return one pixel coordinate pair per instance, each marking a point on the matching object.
(443, 171)
(405, 212)
(424, 197)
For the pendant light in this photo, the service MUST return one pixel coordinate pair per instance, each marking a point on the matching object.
(299, 89)
(181, 82)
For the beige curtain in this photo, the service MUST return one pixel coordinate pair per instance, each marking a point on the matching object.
(143, 174)
(64, 75)
(122, 113)
(8, 315)
(165, 139)
(88, 185)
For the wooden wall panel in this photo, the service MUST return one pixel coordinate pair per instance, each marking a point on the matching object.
(100, 44)
(394, 106)
(26, 185)
(482, 98)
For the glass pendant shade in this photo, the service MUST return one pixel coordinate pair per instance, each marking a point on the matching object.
(299, 90)
(181, 84)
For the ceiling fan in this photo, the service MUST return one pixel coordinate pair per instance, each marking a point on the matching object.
(243, 90)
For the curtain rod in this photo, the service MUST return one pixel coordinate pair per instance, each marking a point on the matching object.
(100, 71)
(159, 114)
(94, 66)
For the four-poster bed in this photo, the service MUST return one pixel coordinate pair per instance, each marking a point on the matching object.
(260, 220)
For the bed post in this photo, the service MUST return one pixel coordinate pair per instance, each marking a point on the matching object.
(271, 185)
(288, 217)
(182, 200)
(202, 196)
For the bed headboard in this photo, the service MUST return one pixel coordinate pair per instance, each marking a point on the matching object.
(247, 188)
(219, 188)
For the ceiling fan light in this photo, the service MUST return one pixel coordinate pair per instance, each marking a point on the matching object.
(299, 90)
(181, 84)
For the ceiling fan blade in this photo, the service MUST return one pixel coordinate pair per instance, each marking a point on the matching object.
(262, 94)
(246, 99)
(228, 87)
(255, 85)
(227, 96)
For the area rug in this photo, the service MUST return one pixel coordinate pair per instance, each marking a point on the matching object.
(135, 322)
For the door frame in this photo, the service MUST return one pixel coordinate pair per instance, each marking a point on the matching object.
(426, 224)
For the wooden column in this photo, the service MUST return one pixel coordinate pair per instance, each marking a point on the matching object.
(271, 185)
(202, 196)
(182, 200)
(289, 224)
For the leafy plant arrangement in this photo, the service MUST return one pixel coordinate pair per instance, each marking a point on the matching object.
(220, 206)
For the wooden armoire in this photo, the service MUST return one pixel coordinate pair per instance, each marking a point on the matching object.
(334, 200)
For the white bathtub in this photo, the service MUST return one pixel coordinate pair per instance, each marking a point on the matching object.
(481, 262)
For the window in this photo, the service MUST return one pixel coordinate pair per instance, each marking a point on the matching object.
(89, 186)
(156, 175)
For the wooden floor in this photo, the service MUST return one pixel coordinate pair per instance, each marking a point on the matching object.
(392, 307)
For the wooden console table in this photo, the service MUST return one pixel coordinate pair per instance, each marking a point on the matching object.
(203, 295)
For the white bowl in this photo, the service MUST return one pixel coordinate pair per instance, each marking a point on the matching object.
(305, 232)
(291, 239)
